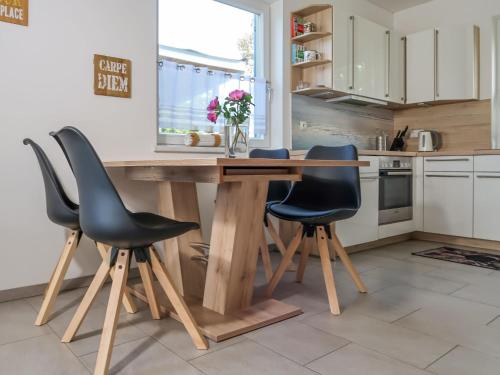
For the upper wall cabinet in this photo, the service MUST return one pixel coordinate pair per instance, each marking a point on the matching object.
(367, 58)
(442, 64)
(420, 67)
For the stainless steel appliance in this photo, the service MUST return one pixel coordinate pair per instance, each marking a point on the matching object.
(428, 141)
(395, 190)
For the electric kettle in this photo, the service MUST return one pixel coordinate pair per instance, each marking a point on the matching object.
(428, 141)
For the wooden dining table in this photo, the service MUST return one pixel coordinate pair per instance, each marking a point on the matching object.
(220, 294)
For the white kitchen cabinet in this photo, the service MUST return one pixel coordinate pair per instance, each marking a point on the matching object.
(420, 67)
(487, 205)
(395, 67)
(457, 62)
(370, 59)
(487, 197)
(448, 203)
(442, 64)
(363, 227)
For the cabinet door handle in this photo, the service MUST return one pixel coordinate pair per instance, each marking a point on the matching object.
(436, 62)
(405, 93)
(438, 160)
(388, 65)
(488, 176)
(351, 87)
(447, 175)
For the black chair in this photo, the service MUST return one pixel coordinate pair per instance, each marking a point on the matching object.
(104, 218)
(278, 190)
(324, 196)
(62, 211)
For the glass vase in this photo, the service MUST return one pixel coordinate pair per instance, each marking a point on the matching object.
(236, 140)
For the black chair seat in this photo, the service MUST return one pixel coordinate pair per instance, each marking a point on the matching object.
(148, 229)
(309, 216)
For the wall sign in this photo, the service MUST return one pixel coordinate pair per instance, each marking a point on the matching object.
(112, 76)
(14, 11)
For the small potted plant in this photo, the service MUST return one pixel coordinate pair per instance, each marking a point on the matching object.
(236, 111)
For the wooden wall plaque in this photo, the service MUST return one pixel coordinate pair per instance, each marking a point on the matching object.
(14, 11)
(112, 76)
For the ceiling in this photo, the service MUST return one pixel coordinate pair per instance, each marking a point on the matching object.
(397, 5)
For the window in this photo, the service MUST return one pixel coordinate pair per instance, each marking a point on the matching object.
(207, 48)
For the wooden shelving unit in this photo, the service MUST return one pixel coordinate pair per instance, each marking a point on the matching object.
(317, 74)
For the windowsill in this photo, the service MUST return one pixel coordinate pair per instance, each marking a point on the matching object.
(189, 149)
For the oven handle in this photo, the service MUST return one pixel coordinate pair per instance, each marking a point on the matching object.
(398, 174)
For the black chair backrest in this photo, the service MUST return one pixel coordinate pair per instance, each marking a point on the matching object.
(60, 209)
(278, 190)
(325, 189)
(103, 216)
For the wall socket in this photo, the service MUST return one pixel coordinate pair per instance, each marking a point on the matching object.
(303, 125)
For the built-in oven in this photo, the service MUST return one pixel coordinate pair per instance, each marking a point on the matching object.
(395, 190)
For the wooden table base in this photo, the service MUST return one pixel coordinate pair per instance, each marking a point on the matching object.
(218, 327)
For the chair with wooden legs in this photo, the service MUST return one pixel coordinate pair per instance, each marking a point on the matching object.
(324, 196)
(104, 218)
(278, 190)
(62, 211)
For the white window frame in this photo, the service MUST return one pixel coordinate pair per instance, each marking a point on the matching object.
(262, 66)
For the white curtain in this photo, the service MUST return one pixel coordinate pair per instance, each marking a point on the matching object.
(185, 91)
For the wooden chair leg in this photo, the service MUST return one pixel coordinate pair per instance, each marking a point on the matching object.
(287, 258)
(333, 252)
(112, 313)
(128, 302)
(147, 281)
(304, 257)
(89, 297)
(279, 244)
(266, 258)
(326, 265)
(348, 263)
(177, 301)
(57, 278)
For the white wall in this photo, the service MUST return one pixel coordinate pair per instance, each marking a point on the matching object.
(47, 82)
(455, 12)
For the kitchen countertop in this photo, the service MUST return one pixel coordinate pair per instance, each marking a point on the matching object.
(298, 153)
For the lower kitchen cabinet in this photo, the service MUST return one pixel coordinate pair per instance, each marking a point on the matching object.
(363, 227)
(487, 205)
(448, 203)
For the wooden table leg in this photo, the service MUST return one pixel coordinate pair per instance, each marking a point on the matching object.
(179, 201)
(234, 245)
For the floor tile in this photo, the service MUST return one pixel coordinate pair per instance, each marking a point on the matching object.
(172, 334)
(417, 280)
(467, 275)
(409, 346)
(39, 355)
(297, 341)
(464, 361)
(248, 358)
(144, 356)
(89, 335)
(403, 250)
(449, 307)
(17, 322)
(454, 328)
(356, 360)
(488, 294)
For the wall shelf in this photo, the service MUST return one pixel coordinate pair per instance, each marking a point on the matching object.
(304, 38)
(304, 12)
(317, 74)
(309, 64)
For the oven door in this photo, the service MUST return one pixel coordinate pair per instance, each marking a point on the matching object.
(395, 196)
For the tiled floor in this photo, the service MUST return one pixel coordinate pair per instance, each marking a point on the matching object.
(421, 316)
